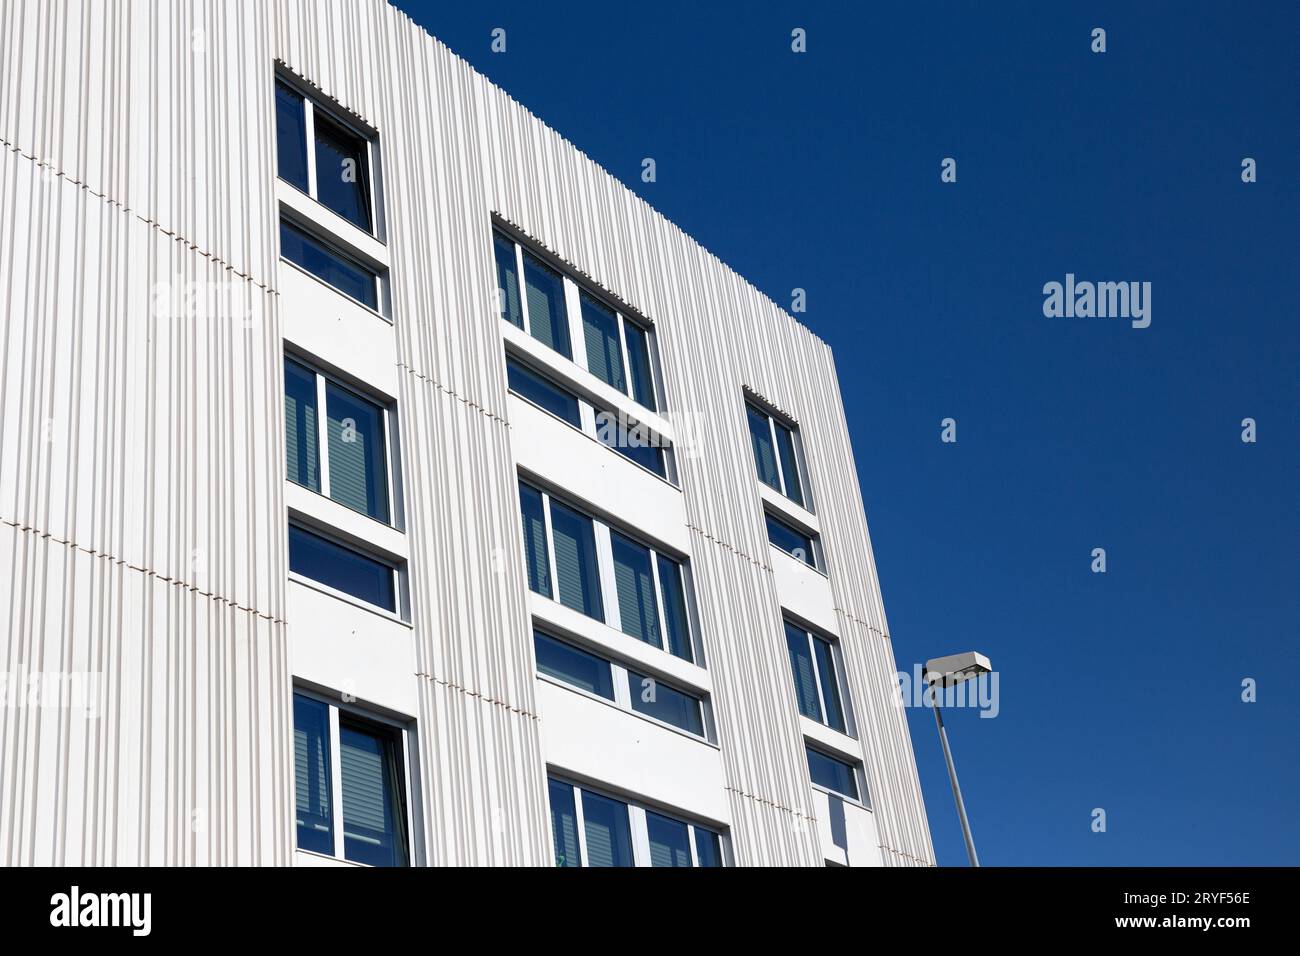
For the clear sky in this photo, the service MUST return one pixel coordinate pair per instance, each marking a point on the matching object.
(821, 170)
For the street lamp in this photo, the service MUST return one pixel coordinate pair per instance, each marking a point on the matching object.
(949, 671)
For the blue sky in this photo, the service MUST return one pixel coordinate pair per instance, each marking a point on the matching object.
(1119, 690)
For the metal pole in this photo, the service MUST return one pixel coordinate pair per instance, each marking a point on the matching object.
(952, 777)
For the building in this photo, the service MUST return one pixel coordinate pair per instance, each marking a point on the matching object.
(380, 480)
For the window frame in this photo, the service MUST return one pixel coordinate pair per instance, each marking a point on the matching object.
(796, 445)
(402, 732)
(837, 662)
(611, 614)
(396, 566)
(621, 674)
(636, 810)
(815, 560)
(312, 102)
(573, 292)
(388, 415)
(589, 416)
(855, 766)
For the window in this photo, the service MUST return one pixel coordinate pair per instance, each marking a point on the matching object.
(593, 829)
(349, 784)
(566, 663)
(342, 568)
(329, 264)
(633, 441)
(832, 774)
(343, 454)
(628, 689)
(533, 296)
(816, 678)
(775, 456)
(323, 156)
(658, 700)
(649, 599)
(791, 540)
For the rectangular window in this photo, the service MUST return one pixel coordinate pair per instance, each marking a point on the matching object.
(533, 296)
(342, 568)
(354, 470)
(542, 392)
(544, 307)
(775, 455)
(835, 775)
(331, 266)
(656, 699)
(633, 441)
(649, 599)
(816, 678)
(791, 540)
(594, 829)
(350, 785)
(334, 167)
(577, 668)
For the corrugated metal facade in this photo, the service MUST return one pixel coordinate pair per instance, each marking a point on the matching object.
(141, 504)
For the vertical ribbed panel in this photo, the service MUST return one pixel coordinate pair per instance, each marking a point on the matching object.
(143, 529)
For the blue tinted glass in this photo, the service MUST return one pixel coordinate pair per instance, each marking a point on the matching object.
(341, 568)
(805, 686)
(507, 280)
(301, 438)
(564, 824)
(342, 171)
(604, 352)
(674, 595)
(633, 441)
(670, 841)
(832, 774)
(658, 700)
(567, 663)
(576, 570)
(635, 588)
(547, 316)
(342, 273)
(790, 541)
(526, 383)
(536, 556)
(789, 464)
(638, 358)
(290, 136)
(760, 437)
(358, 463)
(708, 848)
(374, 815)
(313, 777)
(606, 829)
(830, 684)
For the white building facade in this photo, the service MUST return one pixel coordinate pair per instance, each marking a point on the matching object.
(383, 483)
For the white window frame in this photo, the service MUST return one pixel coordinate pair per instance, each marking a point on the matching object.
(573, 292)
(338, 248)
(400, 600)
(587, 415)
(620, 674)
(837, 661)
(637, 826)
(311, 104)
(818, 562)
(388, 414)
(403, 731)
(605, 567)
(854, 763)
(796, 442)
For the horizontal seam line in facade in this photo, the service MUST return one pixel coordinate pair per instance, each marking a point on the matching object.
(867, 624)
(454, 394)
(26, 529)
(474, 693)
(770, 803)
(174, 236)
(727, 547)
(904, 855)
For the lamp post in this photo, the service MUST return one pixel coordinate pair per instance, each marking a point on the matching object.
(949, 671)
